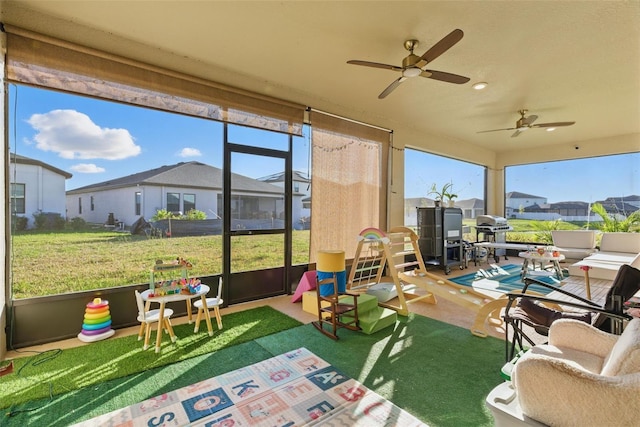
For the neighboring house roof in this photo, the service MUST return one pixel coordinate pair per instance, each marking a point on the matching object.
(535, 208)
(183, 174)
(631, 198)
(621, 204)
(22, 160)
(279, 177)
(518, 195)
(570, 205)
(560, 206)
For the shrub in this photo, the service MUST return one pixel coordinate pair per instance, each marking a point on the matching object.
(39, 220)
(163, 214)
(613, 223)
(77, 224)
(195, 214)
(543, 230)
(20, 223)
(48, 221)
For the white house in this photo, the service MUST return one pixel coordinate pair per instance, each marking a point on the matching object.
(516, 201)
(301, 200)
(35, 187)
(176, 188)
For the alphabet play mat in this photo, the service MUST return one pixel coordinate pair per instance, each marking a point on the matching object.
(293, 389)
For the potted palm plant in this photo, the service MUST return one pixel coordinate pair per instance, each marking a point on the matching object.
(444, 195)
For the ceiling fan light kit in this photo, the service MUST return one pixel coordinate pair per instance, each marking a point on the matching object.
(525, 123)
(414, 65)
(411, 72)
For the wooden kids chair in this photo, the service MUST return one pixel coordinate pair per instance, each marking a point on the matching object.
(146, 318)
(214, 303)
(332, 308)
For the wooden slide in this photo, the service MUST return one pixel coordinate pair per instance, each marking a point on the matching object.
(487, 308)
(409, 280)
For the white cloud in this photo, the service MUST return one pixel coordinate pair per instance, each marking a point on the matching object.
(189, 152)
(74, 135)
(87, 168)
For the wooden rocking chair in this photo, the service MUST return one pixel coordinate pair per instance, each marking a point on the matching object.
(332, 308)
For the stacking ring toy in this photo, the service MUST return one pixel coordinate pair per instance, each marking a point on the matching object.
(97, 321)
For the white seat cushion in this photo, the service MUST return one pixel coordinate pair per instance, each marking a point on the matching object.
(624, 357)
(576, 358)
(211, 302)
(153, 315)
(620, 242)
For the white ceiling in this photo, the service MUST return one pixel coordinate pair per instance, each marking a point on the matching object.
(561, 60)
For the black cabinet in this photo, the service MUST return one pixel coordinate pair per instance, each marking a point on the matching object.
(440, 237)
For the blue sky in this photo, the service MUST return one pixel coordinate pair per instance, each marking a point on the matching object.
(586, 180)
(55, 128)
(98, 140)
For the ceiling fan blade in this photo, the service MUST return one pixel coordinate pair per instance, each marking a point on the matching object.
(495, 130)
(516, 133)
(445, 77)
(391, 87)
(441, 47)
(553, 125)
(374, 65)
(529, 120)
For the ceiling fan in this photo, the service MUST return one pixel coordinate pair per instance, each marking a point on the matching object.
(525, 123)
(414, 65)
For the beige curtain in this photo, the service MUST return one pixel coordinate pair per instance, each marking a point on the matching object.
(348, 182)
(43, 61)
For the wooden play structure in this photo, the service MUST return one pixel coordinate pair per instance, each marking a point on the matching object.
(407, 279)
(397, 252)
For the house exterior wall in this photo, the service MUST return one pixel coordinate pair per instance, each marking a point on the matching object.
(516, 203)
(44, 189)
(122, 202)
(299, 212)
(155, 198)
(301, 189)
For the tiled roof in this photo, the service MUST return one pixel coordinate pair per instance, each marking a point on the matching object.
(279, 177)
(518, 195)
(184, 174)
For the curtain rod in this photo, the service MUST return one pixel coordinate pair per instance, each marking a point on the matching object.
(350, 120)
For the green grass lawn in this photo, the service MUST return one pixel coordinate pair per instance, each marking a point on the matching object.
(53, 263)
(49, 263)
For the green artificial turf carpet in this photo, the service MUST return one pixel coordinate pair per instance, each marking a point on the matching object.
(437, 372)
(57, 372)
